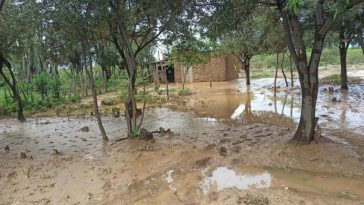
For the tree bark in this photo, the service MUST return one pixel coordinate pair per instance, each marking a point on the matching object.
(344, 74)
(360, 40)
(282, 65)
(90, 75)
(245, 61)
(276, 75)
(343, 49)
(13, 86)
(247, 70)
(184, 77)
(291, 70)
(210, 70)
(308, 71)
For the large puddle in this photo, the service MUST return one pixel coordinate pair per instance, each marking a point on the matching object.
(197, 183)
(224, 178)
(234, 102)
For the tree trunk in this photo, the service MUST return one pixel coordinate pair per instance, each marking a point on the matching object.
(343, 53)
(245, 61)
(361, 41)
(247, 70)
(13, 86)
(282, 65)
(307, 124)
(344, 74)
(184, 78)
(276, 75)
(308, 71)
(104, 77)
(210, 71)
(90, 75)
(167, 89)
(291, 70)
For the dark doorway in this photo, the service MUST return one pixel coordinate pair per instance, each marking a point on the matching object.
(170, 73)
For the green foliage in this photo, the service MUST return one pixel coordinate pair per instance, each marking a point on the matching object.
(7, 103)
(184, 92)
(295, 5)
(107, 56)
(134, 133)
(41, 83)
(190, 51)
(330, 56)
(55, 86)
(261, 74)
(246, 31)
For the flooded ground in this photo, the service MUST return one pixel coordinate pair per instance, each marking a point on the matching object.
(234, 102)
(229, 147)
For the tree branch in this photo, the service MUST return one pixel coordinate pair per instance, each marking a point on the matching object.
(2, 2)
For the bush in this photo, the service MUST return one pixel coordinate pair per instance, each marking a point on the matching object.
(7, 103)
(184, 92)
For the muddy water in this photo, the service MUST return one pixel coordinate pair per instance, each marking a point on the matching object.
(233, 102)
(165, 172)
(39, 137)
(201, 184)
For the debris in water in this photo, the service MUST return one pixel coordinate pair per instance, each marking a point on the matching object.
(85, 129)
(23, 155)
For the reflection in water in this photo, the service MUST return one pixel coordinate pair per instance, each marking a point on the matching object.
(197, 184)
(233, 102)
(169, 180)
(237, 106)
(224, 178)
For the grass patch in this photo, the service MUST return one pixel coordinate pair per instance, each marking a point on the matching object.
(330, 56)
(261, 74)
(336, 79)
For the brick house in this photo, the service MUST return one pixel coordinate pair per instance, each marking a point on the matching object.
(222, 68)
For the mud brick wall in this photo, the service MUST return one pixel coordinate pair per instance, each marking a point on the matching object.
(222, 68)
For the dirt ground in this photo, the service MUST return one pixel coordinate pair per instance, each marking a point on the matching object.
(228, 152)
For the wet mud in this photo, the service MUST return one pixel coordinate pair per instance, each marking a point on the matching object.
(230, 147)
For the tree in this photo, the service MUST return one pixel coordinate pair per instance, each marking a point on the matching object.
(9, 33)
(349, 24)
(246, 30)
(76, 17)
(107, 58)
(292, 12)
(132, 26)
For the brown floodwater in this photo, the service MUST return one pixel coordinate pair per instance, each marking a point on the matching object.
(213, 116)
(234, 102)
(196, 183)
